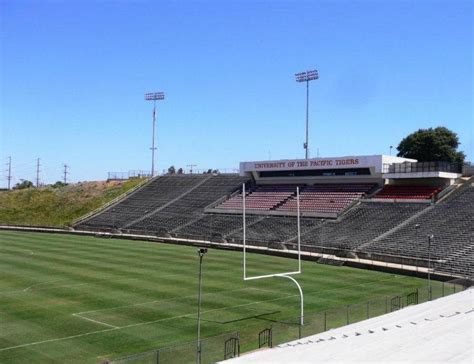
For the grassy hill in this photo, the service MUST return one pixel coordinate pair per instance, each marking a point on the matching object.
(50, 206)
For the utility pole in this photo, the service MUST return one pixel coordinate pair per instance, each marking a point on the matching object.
(65, 173)
(9, 178)
(191, 167)
(306, 77)
(154, 96)
(37, 171)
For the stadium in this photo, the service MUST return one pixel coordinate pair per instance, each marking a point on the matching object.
(236, 182)
(371, 235)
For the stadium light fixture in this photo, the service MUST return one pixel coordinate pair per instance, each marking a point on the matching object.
(417, 228)
(154, 96)
(306, 77)
(201, 253)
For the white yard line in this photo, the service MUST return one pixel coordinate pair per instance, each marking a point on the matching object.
(43, 289)
(80, 284)
(39, 284)
(97, 322)
(174, 299)
(114, 328)
(138, 324)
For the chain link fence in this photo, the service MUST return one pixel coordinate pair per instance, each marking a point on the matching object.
(269, 333)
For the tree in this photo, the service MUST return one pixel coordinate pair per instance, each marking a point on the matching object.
(23, 184)
(180, 171)
(59, 184)
(171, 170)
(428, 145)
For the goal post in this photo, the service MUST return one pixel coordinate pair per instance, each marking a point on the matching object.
(287, 275)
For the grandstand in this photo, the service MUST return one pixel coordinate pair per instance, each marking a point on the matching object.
(370, 207)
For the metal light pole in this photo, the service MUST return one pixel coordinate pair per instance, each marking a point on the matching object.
(154, 96)
(430, 237)
(391, 149)
(417, 228)
(201, 252)
(306, 77)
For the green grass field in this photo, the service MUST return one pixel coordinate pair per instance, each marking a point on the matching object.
(66, 298)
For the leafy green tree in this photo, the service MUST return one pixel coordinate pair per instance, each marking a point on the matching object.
(427, 145)
(23, 185)
(59, 184)
(171, 170)
(180, 171)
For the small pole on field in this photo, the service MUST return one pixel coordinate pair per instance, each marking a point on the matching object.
(201, 252)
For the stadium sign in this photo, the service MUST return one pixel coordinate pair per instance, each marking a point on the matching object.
(306, 163)
(372, 161)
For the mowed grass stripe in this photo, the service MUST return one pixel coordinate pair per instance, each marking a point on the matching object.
(74, 274)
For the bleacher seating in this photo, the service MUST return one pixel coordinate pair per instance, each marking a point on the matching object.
(174, 205)
(360, 225)
(161, 191)
(191, 205)
(269, 229)
(326, 198)
(408, 192)
(451, 221)
(264, 197)
(319, 198)
(213, 226)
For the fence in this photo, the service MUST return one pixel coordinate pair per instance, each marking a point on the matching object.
(269, 332)
(128, 175)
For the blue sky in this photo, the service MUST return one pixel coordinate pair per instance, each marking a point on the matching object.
(73, 75)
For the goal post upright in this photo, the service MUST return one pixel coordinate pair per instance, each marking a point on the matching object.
(244, 232)
(275, 275)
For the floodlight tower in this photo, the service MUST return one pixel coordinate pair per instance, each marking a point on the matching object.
(306, 77)
(154, 96)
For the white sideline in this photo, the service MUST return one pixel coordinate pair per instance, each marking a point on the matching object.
(135, 325)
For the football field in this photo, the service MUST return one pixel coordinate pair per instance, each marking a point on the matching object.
(78, 299)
